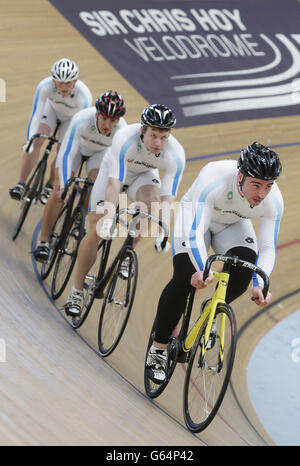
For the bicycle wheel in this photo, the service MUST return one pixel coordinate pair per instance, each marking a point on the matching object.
(30, 193)
(207, 376)
(55, 237)
(89, 286)
(117, 304)
(67, 253)
(153, 390)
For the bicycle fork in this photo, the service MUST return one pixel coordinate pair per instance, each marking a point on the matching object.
(209, 312)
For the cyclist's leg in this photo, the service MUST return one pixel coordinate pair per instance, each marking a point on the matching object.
(87, 251)
(51, 210)
(238, 239)
(92, 168)
(145, 190)
(172, 300)
(46, 126)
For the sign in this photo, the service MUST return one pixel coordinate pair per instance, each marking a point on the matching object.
(210, 60)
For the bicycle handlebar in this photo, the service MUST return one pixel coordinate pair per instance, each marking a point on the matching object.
(237, 262)
(137, 214)
(42, 136)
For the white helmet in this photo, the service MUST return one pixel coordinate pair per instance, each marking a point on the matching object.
(64, 70)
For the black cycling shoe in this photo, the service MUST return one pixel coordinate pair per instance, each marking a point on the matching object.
(17, 192)
(41, 253)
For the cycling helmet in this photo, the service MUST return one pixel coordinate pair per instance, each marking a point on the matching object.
(111, 105)
(259, 162)
(159, 116)
(64, 70)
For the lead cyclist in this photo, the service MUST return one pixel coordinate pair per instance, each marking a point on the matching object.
(217, 211)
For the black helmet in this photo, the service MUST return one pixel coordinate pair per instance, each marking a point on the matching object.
(259, 162)
(158, 115)
(111, 105)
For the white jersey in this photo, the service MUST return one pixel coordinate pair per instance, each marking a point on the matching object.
(129, 155)
(64, 107)
(213, 203)
(83, 138)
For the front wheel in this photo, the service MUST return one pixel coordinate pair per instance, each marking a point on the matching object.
(90, 283)
(67, 253)
(55, 237)
(209, 370)
(117, 302)
(30, 193)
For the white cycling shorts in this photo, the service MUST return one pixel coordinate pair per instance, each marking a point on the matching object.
(133, 182)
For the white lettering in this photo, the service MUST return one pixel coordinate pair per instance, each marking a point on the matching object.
(97, 15)
(251, 45)
(182, 18)
(195, 46)
(178, 51)
(146, 20)
(220, 19)
(296, 351)
(112, 22)
(126, 15)
(203, 18)
(236, 17)
(90, 21)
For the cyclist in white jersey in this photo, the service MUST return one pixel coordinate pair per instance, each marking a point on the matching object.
(57, 98)
(90, 134)
(136, 155)
(217, 211)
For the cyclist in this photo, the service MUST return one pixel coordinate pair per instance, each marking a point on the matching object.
(57, 98)
(90, 134)
(137, 152)
(217, 211)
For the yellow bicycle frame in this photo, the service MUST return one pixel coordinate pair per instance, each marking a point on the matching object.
(209, 311)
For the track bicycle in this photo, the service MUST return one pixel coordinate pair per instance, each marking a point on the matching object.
(67, 234)
(60, 226)
(34, 187)
(110, 283)
(207, 348)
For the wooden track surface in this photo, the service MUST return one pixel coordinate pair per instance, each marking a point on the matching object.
(54, 388)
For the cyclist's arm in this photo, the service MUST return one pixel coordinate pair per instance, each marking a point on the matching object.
(174, 168)
(267, 238)
(68, 152)
(42, 92)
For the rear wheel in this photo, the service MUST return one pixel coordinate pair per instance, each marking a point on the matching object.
(209, 370)
(117, 303)
(67, 253)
